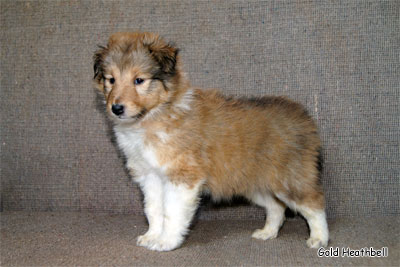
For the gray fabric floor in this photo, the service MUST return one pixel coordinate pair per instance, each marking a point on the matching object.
(54, 239)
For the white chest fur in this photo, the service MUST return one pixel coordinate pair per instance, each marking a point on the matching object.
(140, 157)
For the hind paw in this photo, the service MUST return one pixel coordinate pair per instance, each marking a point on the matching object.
(264, 234)
(315, 242)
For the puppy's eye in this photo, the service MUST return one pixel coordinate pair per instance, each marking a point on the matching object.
(138, 81)
(112, 80)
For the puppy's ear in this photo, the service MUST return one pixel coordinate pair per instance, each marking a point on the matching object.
(165, 54)
(98, 59)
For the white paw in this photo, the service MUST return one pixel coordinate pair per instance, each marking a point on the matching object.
(264, 234)
(165, 245)
(158, 243)
(147, 240)
(315, 242)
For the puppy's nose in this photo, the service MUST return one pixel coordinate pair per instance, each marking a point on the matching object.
(117, 109)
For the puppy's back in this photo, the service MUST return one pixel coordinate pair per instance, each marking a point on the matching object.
(257, 144)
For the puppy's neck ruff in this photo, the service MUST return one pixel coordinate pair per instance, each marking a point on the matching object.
(135, 138)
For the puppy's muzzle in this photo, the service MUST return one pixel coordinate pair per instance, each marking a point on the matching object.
(117, 109)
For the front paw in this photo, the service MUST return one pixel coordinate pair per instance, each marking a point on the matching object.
(146, 240)
(158, 243)
(164, 244)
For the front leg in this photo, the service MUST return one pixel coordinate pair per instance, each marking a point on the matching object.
(180, 203)
(152, 188)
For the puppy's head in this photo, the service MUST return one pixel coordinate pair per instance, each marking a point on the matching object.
(137, 73)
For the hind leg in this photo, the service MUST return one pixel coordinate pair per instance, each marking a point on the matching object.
(314, 212)
(275, 216)
(316, 219)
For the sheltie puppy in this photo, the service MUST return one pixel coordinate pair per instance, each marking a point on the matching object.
(180, 141)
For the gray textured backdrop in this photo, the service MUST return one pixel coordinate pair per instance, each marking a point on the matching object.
(339, 58)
